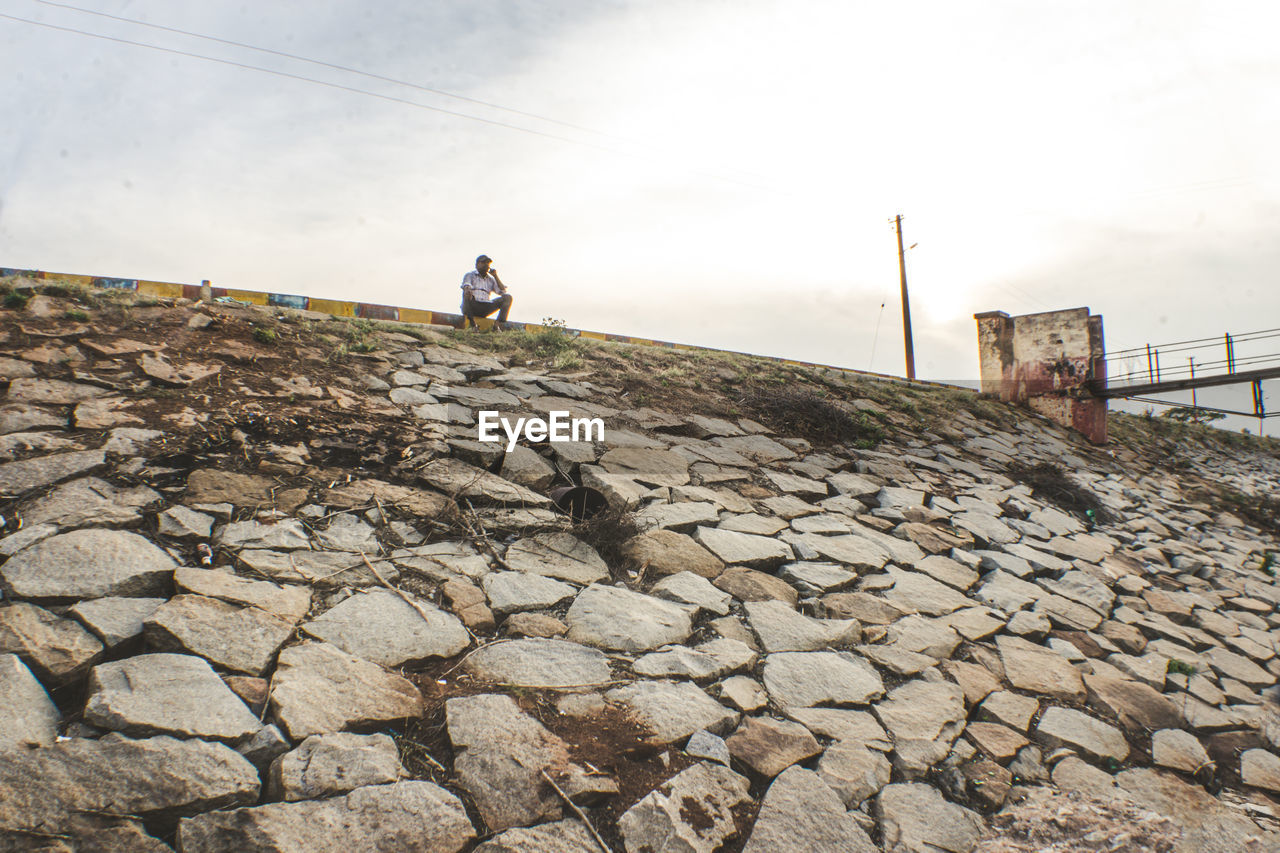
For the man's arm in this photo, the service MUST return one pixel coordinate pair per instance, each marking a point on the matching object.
(502, 288)
(466, 282)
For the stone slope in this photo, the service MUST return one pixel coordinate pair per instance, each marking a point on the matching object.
(263, 589)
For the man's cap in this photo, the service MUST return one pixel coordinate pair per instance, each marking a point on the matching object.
(484, 258)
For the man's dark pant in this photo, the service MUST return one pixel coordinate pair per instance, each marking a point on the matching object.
(472, 308)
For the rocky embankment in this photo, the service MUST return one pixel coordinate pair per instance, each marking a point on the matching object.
(264, 590)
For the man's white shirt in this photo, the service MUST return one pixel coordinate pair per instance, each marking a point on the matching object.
(483, 286)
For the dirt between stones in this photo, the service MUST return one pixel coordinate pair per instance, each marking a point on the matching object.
(609, 740)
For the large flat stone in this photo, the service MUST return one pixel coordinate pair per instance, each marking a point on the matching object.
(321, 569)
(692, 811)
(1214, 827)
(20, 417)
(541, 663)
(914, 818)
(1228, 664)
(1134, 704)
(557, 555)
(90, 501)
(239, 639)
(412, 816)
(1178, 750)
(783, 629)
(1037, 669)
(166, 694)
(682, 515)
(853, 771)
(318, 688)
(768, 746)
(711, 660)
(806, 679)
(88, 564)
(694, 590)
(324, 765)
(287, 534)
(514, 592)
(290, 603)
(800, 812)
(744, 548)
(74, 786)
(57, 650)
(115, 620)
(379, 626)
(614, 618)
(209, 486)
(28, 717)
(666, 552)
(758, 448)
(924, 719)
(857, 552)
(27, 475)
(923, 593)
(347, 533)
(462, 481)
(1260, 769)
(844, 726)
(647, 465)
(1068, 727)
(673, 711)
(751, 585)
(502, 754)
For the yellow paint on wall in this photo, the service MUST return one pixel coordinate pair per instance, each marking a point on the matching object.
(595, 336)
(252, 296)
(334, 307)
(163, 289)
(415, 315)
(82, 280)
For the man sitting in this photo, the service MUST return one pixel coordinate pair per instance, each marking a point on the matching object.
(483, 293)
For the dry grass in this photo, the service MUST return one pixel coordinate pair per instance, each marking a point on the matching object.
(801, 412)
(606, 531)
(1051, 483)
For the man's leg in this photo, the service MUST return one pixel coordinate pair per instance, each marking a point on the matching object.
(503, 302)
(481, 309)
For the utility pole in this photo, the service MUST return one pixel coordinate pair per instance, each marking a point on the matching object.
(906, 305)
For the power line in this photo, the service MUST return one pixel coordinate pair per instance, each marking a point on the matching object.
(324, 64)
(356, 90)
(368, 74)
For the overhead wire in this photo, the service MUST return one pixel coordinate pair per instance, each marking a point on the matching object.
(322, 63)
(359, 91)
(362, 73)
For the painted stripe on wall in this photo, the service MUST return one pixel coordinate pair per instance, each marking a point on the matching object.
(334, 307)
(284, 300)
(377, 312)
(115, 283)
(160, 289)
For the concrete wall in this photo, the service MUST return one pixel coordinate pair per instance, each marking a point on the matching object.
(1045, 360)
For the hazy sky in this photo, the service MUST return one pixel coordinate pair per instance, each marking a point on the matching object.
(729, 174)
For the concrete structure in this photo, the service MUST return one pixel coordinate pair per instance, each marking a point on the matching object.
(1047, 362)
